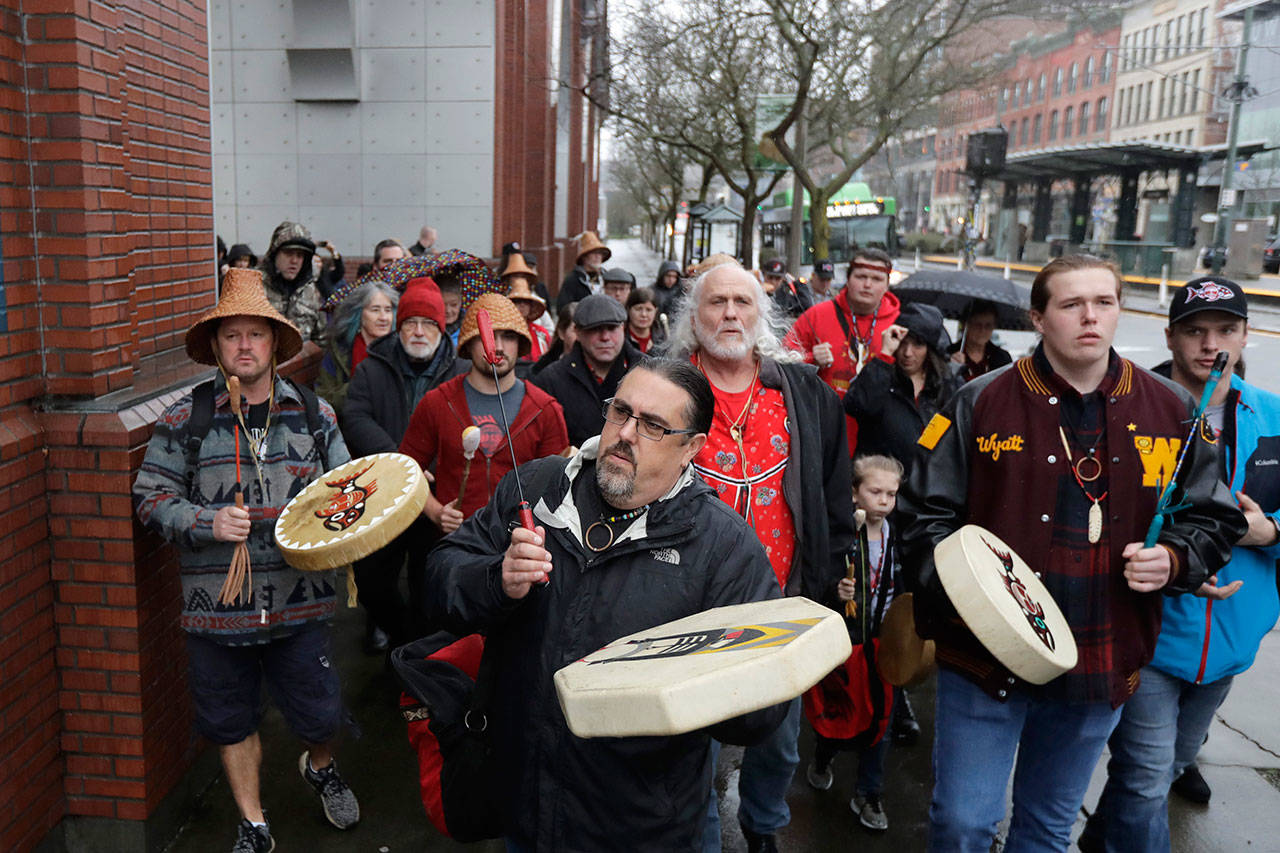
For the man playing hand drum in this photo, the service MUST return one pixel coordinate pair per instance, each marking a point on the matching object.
(627, 537)
(1063, 456)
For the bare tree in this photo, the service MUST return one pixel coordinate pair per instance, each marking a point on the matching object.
(652, 177)
(856, 71)
(687, 76)
(865, 71)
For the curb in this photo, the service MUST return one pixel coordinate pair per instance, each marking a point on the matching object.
(1265, 293)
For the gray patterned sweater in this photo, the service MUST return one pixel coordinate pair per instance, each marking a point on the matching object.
(282, 598)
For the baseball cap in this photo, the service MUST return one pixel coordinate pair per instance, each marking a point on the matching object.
(824, 269)
(775, 266)
(1208, 293)
(599, 310)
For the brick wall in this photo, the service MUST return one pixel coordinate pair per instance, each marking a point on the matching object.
(31, 798)
(106, 211)
(524, 189)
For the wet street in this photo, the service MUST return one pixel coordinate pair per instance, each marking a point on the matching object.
(1241, 760)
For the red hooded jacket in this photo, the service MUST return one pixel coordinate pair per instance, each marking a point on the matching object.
(434, 437)
(820, 324)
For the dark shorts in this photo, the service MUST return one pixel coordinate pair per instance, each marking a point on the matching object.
(226, 684)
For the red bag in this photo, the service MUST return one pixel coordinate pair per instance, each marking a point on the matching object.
(850, 703)
(444, 707)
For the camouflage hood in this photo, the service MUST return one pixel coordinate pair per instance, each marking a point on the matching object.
(288, 234)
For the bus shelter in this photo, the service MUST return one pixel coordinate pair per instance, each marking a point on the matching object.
(1083, 165)
(712, 228)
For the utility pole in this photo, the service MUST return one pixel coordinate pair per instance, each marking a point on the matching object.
(795, 245)
(1226, 196)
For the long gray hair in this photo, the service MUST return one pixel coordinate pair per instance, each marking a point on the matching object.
(769, 330)
(346, 320)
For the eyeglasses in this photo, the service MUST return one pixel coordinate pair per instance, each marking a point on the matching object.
(619, 414)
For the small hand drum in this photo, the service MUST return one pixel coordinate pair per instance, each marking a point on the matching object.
(1005, 605)
(702, 669)
(351, 511)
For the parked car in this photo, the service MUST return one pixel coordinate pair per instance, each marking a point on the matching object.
(1207, 255)
(1271, 256)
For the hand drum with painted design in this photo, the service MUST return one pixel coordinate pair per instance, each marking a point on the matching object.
(702, 669)
(1005, 605)
(351, 511)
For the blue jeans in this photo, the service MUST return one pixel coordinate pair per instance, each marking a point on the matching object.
(871, 759)
(975, 742)
(1159, 734)
(766, 774)
(871, 768)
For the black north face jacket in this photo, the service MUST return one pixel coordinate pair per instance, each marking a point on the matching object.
(690, 552)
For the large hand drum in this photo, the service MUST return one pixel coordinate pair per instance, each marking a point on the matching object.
(703, 669)
(351, 511)
(1005, 605)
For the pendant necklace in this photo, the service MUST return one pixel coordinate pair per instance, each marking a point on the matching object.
(605, 522)
(736, 431)
(1086, 469)
(739, 425)
(860, 348)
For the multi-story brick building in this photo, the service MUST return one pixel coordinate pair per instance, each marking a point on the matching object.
(1057, 89)
(904, 168)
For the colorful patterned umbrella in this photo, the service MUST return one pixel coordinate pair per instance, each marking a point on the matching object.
(472, 272)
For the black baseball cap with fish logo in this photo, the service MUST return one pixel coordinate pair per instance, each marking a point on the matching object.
(1208, 293)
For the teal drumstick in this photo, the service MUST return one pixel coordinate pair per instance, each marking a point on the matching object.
(1166, 494)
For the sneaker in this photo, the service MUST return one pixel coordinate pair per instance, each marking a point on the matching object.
(870, 811)
(1191, 786)
(820, 779)
(340, 806)
(253, 839)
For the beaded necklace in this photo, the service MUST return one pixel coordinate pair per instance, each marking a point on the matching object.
(605, 522)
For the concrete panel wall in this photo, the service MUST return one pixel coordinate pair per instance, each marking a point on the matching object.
(417, 147)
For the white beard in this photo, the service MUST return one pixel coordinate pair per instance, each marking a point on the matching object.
(420, 352)
(725, 352)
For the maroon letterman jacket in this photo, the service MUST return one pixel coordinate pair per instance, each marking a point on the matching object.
(995, 458)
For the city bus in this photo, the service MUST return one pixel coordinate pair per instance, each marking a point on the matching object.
(858, 219)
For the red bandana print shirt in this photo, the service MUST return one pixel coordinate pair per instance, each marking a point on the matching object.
(756, 492)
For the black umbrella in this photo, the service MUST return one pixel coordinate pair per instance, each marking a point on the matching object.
(952, 291)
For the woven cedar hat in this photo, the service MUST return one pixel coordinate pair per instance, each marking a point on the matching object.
(517, 266)
(521, 283)
(242, 296)
(522, 289)
(505, 317)
(589, 242)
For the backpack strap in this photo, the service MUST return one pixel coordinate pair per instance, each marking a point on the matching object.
(315, 424)
(197, 428)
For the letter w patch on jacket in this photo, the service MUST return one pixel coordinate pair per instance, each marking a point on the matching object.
(1159, 457)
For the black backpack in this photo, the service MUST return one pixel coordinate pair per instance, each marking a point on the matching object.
(202, 404)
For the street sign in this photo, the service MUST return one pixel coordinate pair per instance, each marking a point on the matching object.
(770, 111)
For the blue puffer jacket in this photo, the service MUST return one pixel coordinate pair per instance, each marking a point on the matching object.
(1202, 640)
